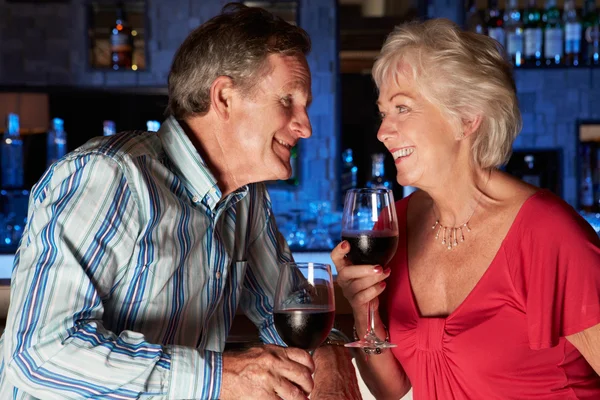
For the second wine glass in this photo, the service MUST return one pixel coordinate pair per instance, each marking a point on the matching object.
(304, 308)
(370, 225)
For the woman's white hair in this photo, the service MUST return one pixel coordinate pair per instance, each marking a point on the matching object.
(465, 74)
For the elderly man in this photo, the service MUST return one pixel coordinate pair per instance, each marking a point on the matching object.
(140, 247)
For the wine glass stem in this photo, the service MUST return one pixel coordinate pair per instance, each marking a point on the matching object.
(371, 320)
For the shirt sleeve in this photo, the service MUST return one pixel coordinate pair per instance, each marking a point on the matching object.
(560, 254)
(82, 227)
(265, 253)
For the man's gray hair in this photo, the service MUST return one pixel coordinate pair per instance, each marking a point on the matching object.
(235, 43)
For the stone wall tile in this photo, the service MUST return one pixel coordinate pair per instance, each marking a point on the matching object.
(53, 38)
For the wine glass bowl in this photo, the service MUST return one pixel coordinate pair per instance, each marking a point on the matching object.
(304, 309)
(370, 225)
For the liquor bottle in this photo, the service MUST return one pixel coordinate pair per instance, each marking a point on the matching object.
(513, 26)
(530, 173)
(495, 24)
(553, 34)
(586, 193)
(12, 155)
(534, 34)
(591, 27)
(349, 171)
(121, 41)
(474, 20)
(294, 179)
(109, 128)
(378, 179)
(152, 126)
(573, 35)
(596, 180)
(56, 143)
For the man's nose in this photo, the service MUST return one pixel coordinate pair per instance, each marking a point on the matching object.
(301, 125)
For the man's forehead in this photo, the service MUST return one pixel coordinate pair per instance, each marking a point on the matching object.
(302, 86)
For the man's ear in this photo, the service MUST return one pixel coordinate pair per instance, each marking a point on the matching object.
(221, 96)
(470, 125)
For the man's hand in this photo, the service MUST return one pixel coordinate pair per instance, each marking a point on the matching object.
(267, 372)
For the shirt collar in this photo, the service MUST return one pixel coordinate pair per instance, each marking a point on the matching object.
(192, 169)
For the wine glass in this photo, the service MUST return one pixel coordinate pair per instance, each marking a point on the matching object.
(370, 225)
(304, 304)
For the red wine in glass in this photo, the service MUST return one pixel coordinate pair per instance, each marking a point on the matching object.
(371, 247)
(304, 328)
(304, 308)
(370, 225)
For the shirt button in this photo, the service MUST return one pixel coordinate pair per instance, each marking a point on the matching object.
(218, 275)
(195, 199)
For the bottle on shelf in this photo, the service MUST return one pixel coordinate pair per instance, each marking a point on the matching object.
(591, 28)
(533, 34)
(12, 155)
(573, 34)
(586, 194)
(513, 26)
(596, 179)
(553, 34)
(474, 20)
(495, 23)
(121, 41)
(349, 171)
(56, 143)
(109, 128)
(378, 179)
(531, 174)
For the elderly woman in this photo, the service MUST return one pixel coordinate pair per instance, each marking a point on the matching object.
(494, 291)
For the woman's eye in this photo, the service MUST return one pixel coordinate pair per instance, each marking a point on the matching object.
(401, 109)
(381, 115)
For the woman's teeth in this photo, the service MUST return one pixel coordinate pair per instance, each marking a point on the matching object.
(402, 153)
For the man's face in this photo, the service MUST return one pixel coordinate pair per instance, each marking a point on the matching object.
(269, 121)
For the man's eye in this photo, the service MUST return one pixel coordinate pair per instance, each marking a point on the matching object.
(286, 101)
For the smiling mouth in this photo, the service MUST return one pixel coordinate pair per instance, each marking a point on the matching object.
(284, 144)
(403, 153)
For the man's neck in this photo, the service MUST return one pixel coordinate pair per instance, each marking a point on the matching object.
(204, 135)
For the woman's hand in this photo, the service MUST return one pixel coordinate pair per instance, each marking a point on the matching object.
(359, 283)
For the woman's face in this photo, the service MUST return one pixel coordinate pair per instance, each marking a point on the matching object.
(416, 132)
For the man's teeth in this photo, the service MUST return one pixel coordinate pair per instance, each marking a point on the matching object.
(403, 152)
(281, 142)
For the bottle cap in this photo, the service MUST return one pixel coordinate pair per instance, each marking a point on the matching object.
(152, 126)
(109, 128)
(58, 124)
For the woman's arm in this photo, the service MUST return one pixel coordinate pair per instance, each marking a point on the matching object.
(335, 376)
(382, 373)
(588, 344)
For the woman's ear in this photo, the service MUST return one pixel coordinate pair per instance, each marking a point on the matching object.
(221, 95)
(470, 126)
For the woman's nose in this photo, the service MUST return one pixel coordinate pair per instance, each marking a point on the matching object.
(385, 131)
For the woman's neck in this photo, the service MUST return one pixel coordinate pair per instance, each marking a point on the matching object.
(456, 201)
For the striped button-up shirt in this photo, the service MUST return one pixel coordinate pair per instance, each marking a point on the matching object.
(130, 271)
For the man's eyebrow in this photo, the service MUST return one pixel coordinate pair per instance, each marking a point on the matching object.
(301, 87)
